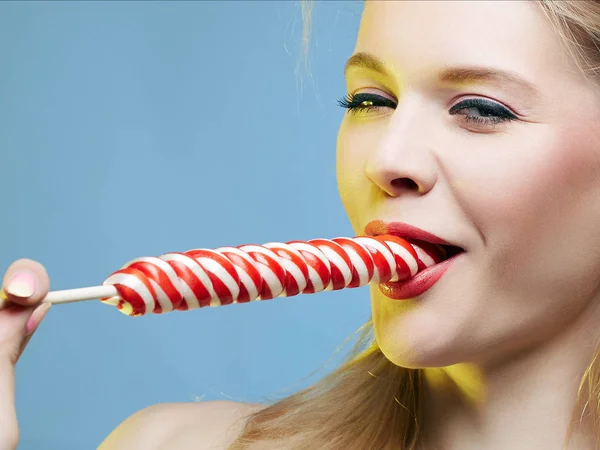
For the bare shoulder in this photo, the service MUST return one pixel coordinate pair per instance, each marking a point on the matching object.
(180, 426)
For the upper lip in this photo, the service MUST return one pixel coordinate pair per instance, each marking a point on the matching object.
(404, 230)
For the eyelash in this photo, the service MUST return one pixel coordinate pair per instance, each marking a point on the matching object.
(356, 103)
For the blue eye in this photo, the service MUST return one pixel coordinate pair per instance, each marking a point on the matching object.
(365, 102)
(485, 112)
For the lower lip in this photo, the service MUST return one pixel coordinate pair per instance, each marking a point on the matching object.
(404, 290)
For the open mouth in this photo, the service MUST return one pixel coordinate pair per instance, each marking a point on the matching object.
(451, 250)
(434, 261)
(432, 254)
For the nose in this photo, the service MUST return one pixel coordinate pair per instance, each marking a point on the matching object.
(401, 161)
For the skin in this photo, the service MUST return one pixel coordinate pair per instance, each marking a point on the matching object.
(169, 426)
(516, 316)
(521, 197)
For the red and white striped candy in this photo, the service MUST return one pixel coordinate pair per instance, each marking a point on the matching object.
(201, 277)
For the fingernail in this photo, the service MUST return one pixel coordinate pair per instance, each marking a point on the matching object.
(21, 284)
(36, 317)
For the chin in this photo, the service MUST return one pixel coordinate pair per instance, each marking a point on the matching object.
(408, 344)
(419, 357)
(414, 335)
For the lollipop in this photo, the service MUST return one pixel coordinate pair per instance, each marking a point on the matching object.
(226, 275)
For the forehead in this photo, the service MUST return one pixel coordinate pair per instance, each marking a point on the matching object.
(421, 36)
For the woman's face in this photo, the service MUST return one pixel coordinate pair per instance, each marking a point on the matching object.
(521, 196)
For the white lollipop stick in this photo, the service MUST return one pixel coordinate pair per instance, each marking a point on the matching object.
(72, 295)
(81, 294)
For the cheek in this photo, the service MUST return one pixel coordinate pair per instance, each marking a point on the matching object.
(518, 182)
(537, 204)
(350, 167)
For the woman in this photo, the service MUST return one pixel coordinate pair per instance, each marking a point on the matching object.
(477, 122)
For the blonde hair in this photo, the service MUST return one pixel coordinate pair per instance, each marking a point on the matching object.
(370, 403)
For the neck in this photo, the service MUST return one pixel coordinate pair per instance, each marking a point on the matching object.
(529, 401)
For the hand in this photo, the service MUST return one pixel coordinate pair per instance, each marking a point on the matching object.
(25, 284)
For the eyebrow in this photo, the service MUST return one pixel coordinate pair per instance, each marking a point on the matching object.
(449, 75)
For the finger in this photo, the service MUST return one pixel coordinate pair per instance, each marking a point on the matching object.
(13, 322)
(24, 345)
(26, 283)
(32, 325)
(13, 330)
(17, 326)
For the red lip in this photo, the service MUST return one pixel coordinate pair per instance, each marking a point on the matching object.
(404, 290)
(402, 230)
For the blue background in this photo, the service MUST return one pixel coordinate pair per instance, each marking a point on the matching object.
(134, 129)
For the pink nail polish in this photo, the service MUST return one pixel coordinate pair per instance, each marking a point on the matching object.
(21, 284)
(36, 317)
